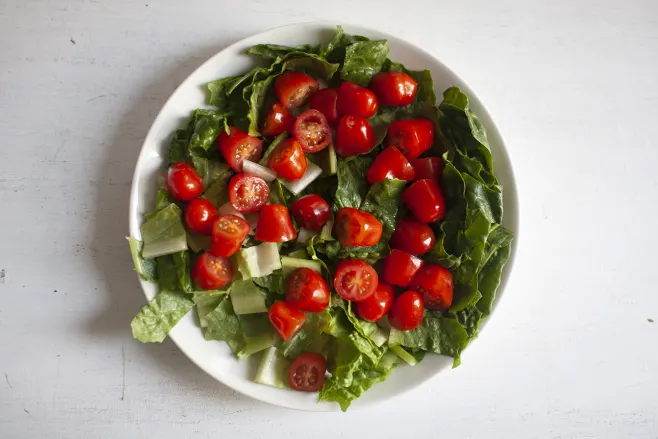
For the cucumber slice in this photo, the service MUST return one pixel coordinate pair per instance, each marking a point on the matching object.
(273, 369)
(289, 265)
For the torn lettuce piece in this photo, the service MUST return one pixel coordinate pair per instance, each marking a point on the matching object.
(160, 315)
(145, 268)
(164, 233)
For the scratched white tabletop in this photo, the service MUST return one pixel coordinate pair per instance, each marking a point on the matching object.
(572, 348)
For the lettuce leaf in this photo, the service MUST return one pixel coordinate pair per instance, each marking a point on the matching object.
(156, 319)
(174, 272)
(144, 267)
(223, 324)
(206, 302)
(363, 60)
(352, 184)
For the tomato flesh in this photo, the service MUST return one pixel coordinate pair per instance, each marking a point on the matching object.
(429, 167)
(277, 120)
(238, 146)
(247, 193)
(294, 88)
(355, 280)
(406, 313)
(306, 373)
(183, 182)
(412, 236)
(425, 200)
(325, 102)
(376, 306)
(212, 272)
(355, 228)
(200, 215)
(394, 88)
(312, 131)
(288, 160)
(307, 291)
(354, 135)
(400, 267)
(390, 164)
(311, 212)
(274, 224)
(412, 136)
(356, 100)
(228, 234)
(285, 320)
(434, 283)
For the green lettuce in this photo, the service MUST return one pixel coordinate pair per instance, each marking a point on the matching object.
(156, 319)
(174, 272)
(363, 60)
(164, 232)
(206, 302)
(352, 184)
(223, 324)
(144, 267)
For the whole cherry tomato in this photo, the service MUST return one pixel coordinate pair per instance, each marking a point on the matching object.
(429, 167)
(238, 146)
(354, 135)
(325, 102)
(228, 234)
(285, 320)
(274, 224)
(400, 267)
(307, 291)
(425, 200)
(356, 100)
(412, 236)
(394, 88)
(212, 272)
(248, 193)
(277, 120)
(294, 88)
(390, 164)
(407, 311)
(355, 280)
(183, 182)
(434, 284)
(312, 131)
(306, 373)
(376, 306)
(288, 160)
(355, 228)
(412, 136)
(200, 214)
(311, 212)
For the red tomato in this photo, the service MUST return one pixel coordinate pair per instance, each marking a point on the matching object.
(277, 120)
(239, 146)
(429, 167)
(306, 373)
(288, 160)
(274, 224)
(307, 291)
(425, 200)
(286, 321)
(356, 100)
(355, 280)
(434, 283)
(247, 193)
(400, 267)
(407, 311)
(199, 216)
(228, 234)
(311, 212)
(294, 88)
(376, 306)
(312, 130)
(212, 272)
(412, 136)
(390, 164)
(412, 236)
(354, 135)
(355, 227)
(183, 182)
(325, 102)
(394, 88)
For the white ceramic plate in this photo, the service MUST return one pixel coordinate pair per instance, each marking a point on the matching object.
(215, 357)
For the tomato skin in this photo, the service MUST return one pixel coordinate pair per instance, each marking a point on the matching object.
(212, 272)
(200, 214)
(412, 236)
(425, 200)
(238, 146)
(183, 182)
(394, 88)
(247, 193)
(277, 120)
(285, 320)
(312, 131)
(390, 164)
(376, 306)
(355, 228)
(306, 373)
(274, 224)
(434, 283)
(288, 160)
(307, 291)
(412, 136)
(294, 88)
(355, 280)
(311, 212)
(356, 100)
(400, 267)
(228, 234)
(354, 135)
(325, 102)
(407, 311)
(429, 167)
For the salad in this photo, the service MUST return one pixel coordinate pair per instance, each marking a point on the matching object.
(327, 215)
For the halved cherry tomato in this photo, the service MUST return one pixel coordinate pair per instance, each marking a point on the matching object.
(325, 102)
(394, 88)
(274, 224)
(228, 234)
(294, 88)
(312, 130)
(425, 200)
(354, 135)
(356, 100)
(355, 280)
(212, 272)
(200, 214)
(390, 164)
(355, 227)
(412, 236)
(407, 311)
(400, 267)
(434, 284)
(247, 193)
(288, 160)
(277, 120)
(286, 321)
(376, 306)
(239, 146)
(429, 167)
(307, 291)
(306, 373)
(311, 212)
(183, 182)
(412, 136)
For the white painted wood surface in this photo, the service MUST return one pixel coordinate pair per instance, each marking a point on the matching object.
(571, 351)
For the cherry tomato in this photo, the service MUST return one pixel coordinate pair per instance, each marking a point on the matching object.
(390, 164)
(274, 224)
(294, 88)
(394, 88)
(277, 120)
(325, 102)
(425, 200)
(434, 284)
(247, 193)
(288, 160)
(355, 227)
(429, 167)
(183, 182)
(354, 135)
(355, 280)
(412, 236)
(307, 291)
(312, 130)
(376, 306)
(356, 100)
(400, 267)
(199, 216)
(286, 321)
(212, 272)
(306, 373)
(407, 311)
(311, 212)
(239, 146)
(412, 136)
(228, 234)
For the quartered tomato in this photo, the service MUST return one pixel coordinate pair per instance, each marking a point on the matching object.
(325, 102)
(412, 136)
(312, 131)
(239, 146)
(400, 267)
(274, 224)
(294, 88)
(277, 120)
(200, 215)
(183, 182)
(407, 311)
(311, 212)
(212, 272)
(376, 306)
(412, 236)
(390, 164)
(425, 200)
(354, 135)
(356, 100)
(355, 280)
(307, 291)
(394, 88)
(429, 167)
(434, 284)
(306, 373)
(285, 320)
(355, 227)
(228, 234)
(247, 193)
(288, 160)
